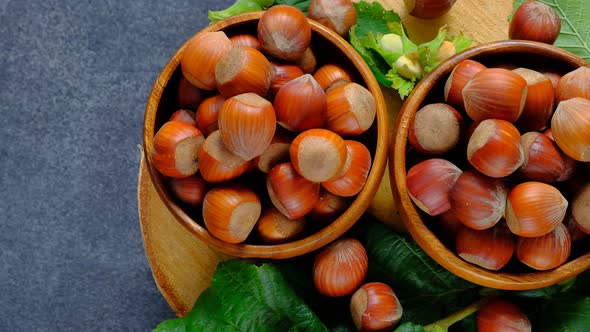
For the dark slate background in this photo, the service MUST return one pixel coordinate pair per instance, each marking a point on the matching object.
(74, 79)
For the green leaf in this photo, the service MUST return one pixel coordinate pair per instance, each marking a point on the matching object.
(373, 21)
(426, 290)
(302, 5)
(575, 25)
(173, 325)
(565, 314)
(372, 17)
(427, 52)
(403, 86)
(437, 328)
(461, 43)
(540, 293)
(297, 272)
(372, 42)
(575, 285)
(239, 7)
(246, 297)
(410, 327)
(342, 328)
(582, 284)
(548, 292)
(376, 63)
(468, 323)
(409, 46)
(562, 307)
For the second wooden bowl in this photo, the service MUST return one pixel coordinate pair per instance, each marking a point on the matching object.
(328, 48)
(518, 53)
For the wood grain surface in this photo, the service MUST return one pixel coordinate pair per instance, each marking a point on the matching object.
(182, 265)
(484, 21)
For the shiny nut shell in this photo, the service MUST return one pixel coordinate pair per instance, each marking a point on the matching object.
(300, 104)
(188, 95)
(542, 160)
(375, 307)
(291, 193)
(356, 170)
(581, 208)
(478, 201)
(337, 15)
(230, 212)
(540, 101)
(490, 248)
(429, 184)
(330, 73)
(241, 70)
(340, 268)
(284, 73)
(350, 109)
(318, 154)
(501, 315)
(190, 190)
(570, 127)
(495, 148)
(457, 80)
(201, 55)
(273, 227)
(545, 252)
(217, 163)
(495, 93)
(176, 145)
(284, 32)
(576, 83)
(207, 114)
(276, 152)
(428, 9)
(535, 20)
(328, 206)
(534, 209)
(183, 115)
(245, 39)
(247, 124)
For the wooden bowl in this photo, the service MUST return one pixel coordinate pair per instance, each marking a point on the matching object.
(328, 47)
(430, 89)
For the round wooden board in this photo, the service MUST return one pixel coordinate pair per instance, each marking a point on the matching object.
(181, 264)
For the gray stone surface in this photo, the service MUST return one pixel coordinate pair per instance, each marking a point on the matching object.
(74, 79)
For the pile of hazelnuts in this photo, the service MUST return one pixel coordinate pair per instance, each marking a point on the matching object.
(504, 163)
(259, 108)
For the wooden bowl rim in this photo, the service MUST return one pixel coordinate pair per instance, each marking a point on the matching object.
(427, 240)
(317, 239)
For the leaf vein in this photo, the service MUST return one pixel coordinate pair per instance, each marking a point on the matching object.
(571, 25)
(444, 282)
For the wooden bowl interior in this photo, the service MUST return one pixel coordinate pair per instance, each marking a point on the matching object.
(514, 276)
(328, 48)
